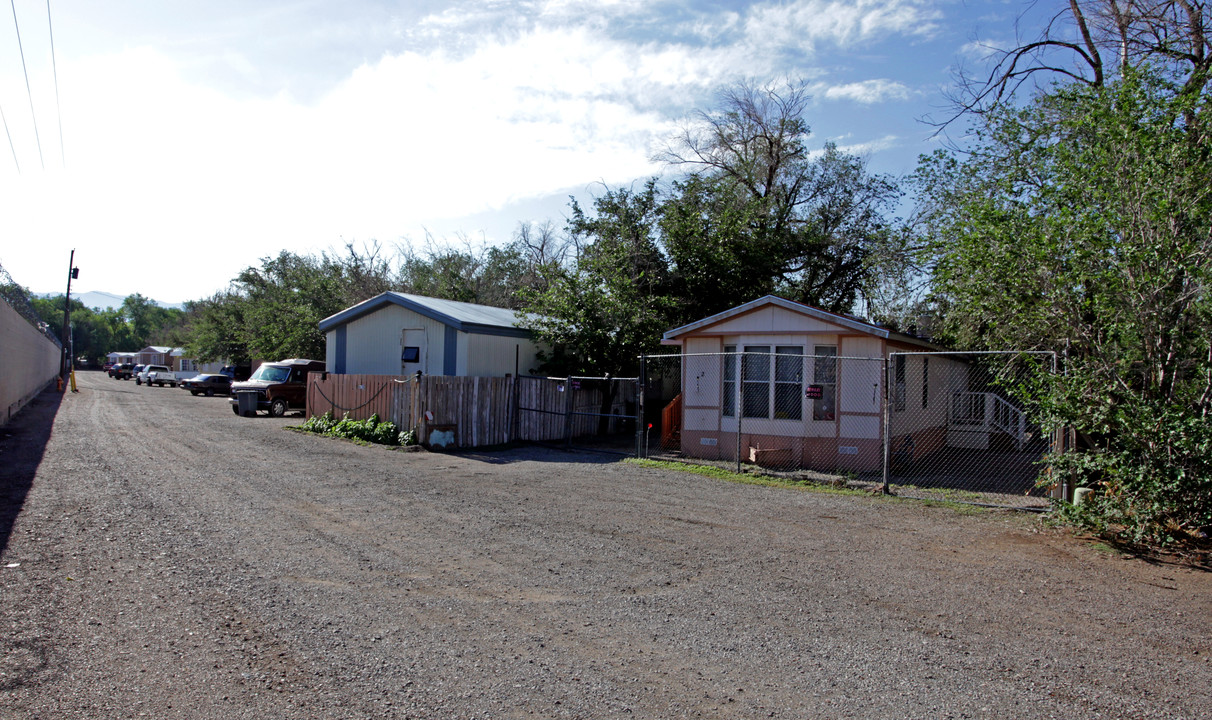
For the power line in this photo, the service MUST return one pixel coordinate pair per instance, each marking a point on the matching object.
(10, 140)
(55, 70)
(28, 91)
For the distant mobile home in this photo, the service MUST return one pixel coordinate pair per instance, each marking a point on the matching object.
(811, 390)
(401, 334)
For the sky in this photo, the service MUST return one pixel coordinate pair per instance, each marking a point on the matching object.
(172, 144)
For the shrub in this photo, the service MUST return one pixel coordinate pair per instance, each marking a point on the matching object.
(372, 429)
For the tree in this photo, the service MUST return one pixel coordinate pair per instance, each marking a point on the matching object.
(613, 302)
(1082, 223)
(215, 329)
(483, 274)
(136, 324)
(1095, 43)
(760, 213)
(283, 302)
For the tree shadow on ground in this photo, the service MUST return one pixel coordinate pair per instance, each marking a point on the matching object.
(542, 452)
(1191, 553)
(22, 443)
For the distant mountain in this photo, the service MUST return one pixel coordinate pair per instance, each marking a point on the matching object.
(104, 300)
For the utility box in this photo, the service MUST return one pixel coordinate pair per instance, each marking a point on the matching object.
(247, 404)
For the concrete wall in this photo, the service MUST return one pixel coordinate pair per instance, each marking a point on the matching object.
(29, 360)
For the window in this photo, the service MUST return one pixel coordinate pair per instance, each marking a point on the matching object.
(411, 355)
(898, 384)
(755, 381)
(789, 382)
(824, 373)
(925, 382)
(729, 403)
(772, 384)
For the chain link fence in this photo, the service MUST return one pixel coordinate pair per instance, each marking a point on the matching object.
(960, 427)
(773, 408)
(950, 426)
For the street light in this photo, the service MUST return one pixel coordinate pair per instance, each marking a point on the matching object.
(73, 272)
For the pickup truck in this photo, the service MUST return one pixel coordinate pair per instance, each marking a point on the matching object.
(157, 375)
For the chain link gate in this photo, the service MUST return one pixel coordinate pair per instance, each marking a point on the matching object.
(951, 426)
(596, 413)
(959, 427)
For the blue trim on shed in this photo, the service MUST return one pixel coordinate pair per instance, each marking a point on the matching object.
(339, 364)
(450, 352)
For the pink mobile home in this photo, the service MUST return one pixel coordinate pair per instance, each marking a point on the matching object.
(810, 387)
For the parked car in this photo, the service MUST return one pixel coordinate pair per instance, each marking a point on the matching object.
(155, 374)
(279, 386)
(208, 384)
(121, 371)
(132, 371)
(237, 373)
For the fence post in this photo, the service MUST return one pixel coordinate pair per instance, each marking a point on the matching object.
(568, 408)
(641, 432)
(887, 422)
(740, 411)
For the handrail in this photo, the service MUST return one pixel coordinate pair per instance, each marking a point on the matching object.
(1004, 416)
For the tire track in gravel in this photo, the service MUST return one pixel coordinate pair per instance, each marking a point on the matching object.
(179, 561)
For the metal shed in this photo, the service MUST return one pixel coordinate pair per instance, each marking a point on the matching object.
(399, 334)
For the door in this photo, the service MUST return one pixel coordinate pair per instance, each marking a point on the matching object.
(413, 355)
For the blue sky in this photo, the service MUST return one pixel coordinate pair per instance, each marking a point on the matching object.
(199, 136)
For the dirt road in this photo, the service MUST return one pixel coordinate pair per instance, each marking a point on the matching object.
(161, 557)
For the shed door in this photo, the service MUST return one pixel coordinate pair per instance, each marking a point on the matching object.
(413, 352)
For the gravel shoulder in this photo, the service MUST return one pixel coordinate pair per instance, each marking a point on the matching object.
(161, 557)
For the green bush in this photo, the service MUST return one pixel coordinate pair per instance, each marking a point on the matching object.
(372, 429)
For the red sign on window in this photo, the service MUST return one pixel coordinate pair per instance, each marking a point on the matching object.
(815, 392)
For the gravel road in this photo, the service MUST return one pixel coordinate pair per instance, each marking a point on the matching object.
(161, 557)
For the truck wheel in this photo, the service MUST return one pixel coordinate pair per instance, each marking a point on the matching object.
(194, 393)
(138, 381)
(235, 409)
(278, 407)
(210, 392)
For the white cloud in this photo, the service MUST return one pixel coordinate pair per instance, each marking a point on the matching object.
(868, 91)
(982, 50)
(808, 22)
(865, 149)
(509, 103)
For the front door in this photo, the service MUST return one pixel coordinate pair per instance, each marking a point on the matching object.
(413, 352)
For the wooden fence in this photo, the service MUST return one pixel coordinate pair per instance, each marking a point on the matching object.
(469, 411)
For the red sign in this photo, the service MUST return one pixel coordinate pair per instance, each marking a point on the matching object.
(815, 392)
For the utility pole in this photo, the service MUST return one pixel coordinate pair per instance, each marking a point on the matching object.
(72, 273)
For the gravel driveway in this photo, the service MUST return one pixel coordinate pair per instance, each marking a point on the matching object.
(161, 557)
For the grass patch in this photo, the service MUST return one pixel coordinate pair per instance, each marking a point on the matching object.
(750, 479)
(947, 493)
(805, 485)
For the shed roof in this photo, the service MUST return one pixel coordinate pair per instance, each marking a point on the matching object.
(465, 317)
(845, 321)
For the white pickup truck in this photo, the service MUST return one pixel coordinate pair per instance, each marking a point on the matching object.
(157, 375)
